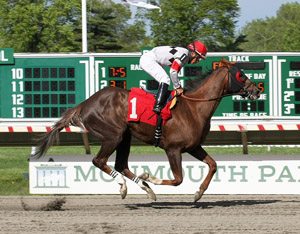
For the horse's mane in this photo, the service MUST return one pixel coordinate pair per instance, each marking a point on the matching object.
(193, 84)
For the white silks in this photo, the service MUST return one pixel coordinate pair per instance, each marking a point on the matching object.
(141, 4)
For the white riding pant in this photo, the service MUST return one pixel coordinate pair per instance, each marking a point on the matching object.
(148, 64)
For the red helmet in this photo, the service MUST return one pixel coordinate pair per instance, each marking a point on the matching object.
(199, 48)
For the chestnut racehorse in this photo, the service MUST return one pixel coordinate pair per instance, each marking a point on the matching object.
(105, 115)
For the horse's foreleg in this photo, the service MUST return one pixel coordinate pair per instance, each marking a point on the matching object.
(121, 165)
(201, 154)
(140, 182)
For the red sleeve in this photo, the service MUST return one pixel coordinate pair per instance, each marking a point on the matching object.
(175, 66)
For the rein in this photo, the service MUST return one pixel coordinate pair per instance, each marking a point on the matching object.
(206, 99)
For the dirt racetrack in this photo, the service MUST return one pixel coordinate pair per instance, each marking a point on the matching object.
(137, 214)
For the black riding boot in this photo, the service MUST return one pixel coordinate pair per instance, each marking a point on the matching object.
(161, 97)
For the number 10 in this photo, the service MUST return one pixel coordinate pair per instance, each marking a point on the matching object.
(17, 73)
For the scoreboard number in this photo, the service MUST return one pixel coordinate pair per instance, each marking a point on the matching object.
(17, 73)
(18, 112)
(18, 99)
(17, 86)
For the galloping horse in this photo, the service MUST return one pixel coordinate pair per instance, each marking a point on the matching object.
(105, 115)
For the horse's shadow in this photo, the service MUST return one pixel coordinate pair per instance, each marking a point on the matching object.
(202, 205)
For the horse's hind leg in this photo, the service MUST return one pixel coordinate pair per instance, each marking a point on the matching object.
(100, 161)
(121, 164)
(201, 154)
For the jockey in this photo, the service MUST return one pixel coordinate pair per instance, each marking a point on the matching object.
(170, 56)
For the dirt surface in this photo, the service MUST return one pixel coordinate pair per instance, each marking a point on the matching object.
(138, 214)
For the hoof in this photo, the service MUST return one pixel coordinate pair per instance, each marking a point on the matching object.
(144, 176)
(198, 196)
(123, 190)
(150, 193)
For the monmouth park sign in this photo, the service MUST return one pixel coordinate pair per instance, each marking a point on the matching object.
(238, 174)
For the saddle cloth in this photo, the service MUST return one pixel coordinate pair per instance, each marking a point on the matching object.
(140, 105)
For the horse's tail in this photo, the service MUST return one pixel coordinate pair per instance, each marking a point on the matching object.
(70, 117)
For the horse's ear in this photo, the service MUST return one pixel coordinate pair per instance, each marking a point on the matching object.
(225, 63)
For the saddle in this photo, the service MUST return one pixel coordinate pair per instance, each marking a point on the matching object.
(140, 105)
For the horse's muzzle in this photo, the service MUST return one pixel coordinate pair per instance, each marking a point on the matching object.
(251, 91)
(254, 94)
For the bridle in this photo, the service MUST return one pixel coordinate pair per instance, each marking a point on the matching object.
(237, 83)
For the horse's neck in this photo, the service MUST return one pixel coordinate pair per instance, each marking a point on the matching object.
(214, 87)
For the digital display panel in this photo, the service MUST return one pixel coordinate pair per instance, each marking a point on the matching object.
(117, 72)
